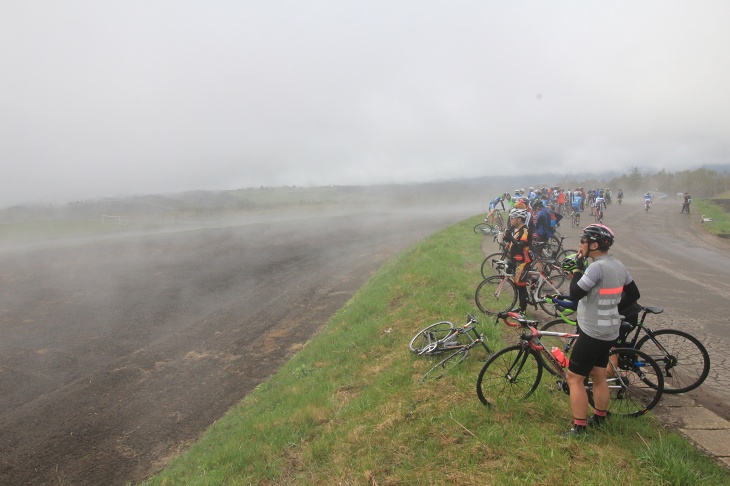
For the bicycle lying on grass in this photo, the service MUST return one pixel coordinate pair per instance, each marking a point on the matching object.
(684, 361)
(443, 338)
(487, 228)
(635, 383)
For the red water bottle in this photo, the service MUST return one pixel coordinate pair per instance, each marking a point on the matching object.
(560, 356)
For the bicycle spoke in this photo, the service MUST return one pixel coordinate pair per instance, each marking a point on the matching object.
(510, 374)
(683, 359)
(635, 384)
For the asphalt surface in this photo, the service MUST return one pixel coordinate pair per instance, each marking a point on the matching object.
(680, 267)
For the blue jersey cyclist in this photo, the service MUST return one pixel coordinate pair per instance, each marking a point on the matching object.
(577, 202)
(499, 200)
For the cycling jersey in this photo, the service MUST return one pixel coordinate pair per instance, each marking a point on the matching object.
(604, 280)
(576, 202)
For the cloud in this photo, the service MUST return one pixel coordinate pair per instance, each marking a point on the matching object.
(104, 98)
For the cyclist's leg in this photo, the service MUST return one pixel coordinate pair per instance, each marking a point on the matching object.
(520, 280)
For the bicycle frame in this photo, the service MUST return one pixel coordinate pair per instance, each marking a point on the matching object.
(530, 336)
(633, 368)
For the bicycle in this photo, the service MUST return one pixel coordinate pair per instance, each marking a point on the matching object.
(575, 218)
(498, 293)
(599, 213)
(548, 257)
(487, 228)
(683, 358)
(484, 228)
(635, 382)
(444, 338)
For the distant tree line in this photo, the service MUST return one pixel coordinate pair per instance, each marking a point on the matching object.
(704, 183)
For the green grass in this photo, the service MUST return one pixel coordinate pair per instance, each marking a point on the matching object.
(349, 408)
(721, 223)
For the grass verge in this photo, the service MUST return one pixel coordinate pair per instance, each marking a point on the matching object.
(350, 409)
(718, 213)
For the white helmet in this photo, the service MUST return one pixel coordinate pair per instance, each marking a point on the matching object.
(518, 213)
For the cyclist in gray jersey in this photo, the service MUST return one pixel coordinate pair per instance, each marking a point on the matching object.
(600, 290)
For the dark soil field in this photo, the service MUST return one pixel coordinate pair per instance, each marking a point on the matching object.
(117, 353)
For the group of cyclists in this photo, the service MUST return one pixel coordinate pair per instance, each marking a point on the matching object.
(600, 290)
(557, 201)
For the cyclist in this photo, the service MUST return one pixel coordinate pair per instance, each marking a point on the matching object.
(493, 205)
(517, 238)
(647, 201)
(600, 204)
(620, 196)
(598, 290)
(687, 201)
(577, 202)
(544, 229)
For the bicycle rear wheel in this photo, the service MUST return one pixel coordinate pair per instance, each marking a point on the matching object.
(682, 357)
(425, 342)
(444, 366)
(496, 294)
(488, 265)
(511, 374)
(635, 384)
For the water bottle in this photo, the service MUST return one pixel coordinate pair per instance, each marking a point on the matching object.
(560, 357)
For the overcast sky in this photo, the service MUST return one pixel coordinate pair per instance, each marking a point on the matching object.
(103, 98)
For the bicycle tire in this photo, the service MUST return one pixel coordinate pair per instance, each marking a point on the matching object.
(543, 290)
(429, 336)
(554, 273)
(496, 294)
(488, 266)
(445, 365)
(637, 385)
(513, 373)
(483, 229)
(683, 359)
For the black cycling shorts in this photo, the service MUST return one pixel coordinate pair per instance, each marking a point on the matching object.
(588, 353)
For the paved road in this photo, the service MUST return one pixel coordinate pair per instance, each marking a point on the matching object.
(687, 273)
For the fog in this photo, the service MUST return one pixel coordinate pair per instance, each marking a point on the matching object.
(105, 99)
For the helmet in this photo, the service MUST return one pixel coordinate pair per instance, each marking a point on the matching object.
(601, 234)
(536, 203)
(518, 213)
(568, 263)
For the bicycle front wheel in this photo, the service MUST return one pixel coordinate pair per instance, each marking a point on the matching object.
(635, 383)
(483, 229)
(496, 294)
(426, 341)
(547, 288)
(444, 366)
(682, 357)
(511, 374)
